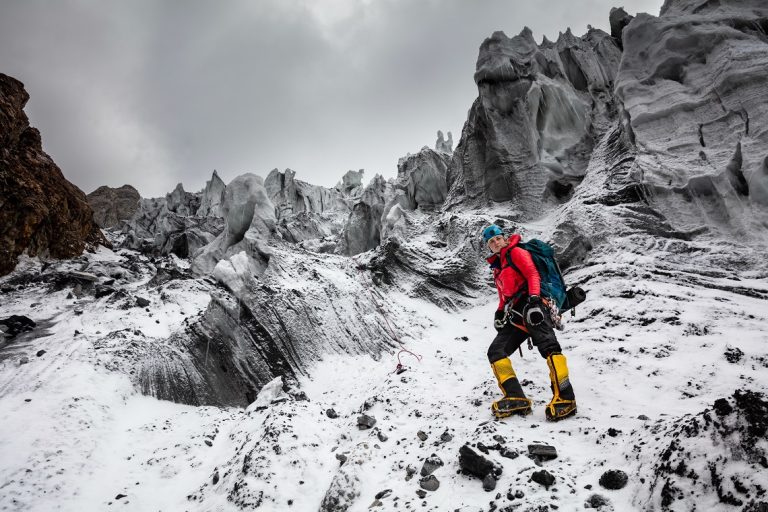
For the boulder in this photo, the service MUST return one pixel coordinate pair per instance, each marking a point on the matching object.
(41, 213)
(111, 206)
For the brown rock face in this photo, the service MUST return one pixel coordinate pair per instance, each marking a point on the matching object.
(40, 211)
(111, 205)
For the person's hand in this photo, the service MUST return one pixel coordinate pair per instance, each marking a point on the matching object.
(533, 312)
(498, 320)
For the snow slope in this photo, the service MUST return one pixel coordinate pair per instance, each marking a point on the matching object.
(657, 343)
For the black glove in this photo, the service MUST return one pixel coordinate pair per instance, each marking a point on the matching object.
(534, 314)
(498, 320)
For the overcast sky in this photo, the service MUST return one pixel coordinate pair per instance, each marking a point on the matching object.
(152, 93)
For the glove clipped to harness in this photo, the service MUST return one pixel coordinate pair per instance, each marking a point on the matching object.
(498, 320)
(534, 314)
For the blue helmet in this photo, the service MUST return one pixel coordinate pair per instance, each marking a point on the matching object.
(491, 231)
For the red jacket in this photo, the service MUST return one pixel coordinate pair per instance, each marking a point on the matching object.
(508, 280)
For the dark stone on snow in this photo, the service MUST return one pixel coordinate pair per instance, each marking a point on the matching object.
(475, 464)
(421, 493)
(613, 479)
(722, 407)
(331, 414)
(596, 501)
(382, 437)
(612, 432)
(142, 302)
(121, 496)
(215, 478)
(421, 435)
(17, 324)
(40, 353)
(383, 494)
(431, 464)
(733, 354)
(489, 482)
(542, 452)
(103, 291)
(446, 437)
(543, 477)
(341, 458)
(429, 483)
(364, 422)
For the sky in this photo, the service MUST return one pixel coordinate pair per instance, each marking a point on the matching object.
(152, 93)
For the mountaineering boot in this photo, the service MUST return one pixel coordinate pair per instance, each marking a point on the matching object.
(514, 401)
(563, 403)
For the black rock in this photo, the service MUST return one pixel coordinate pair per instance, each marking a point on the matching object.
(542, 452)
(382, 437)
(475, 464)
(364, 422)
(613, 479)
(446, 437)
(142, 302)
(733, 354)
(509, 454)
(215, 478)
(596, 501)
(431, 464)
(421, 493)
(543, 477)
(489, 482)
(383, 494)
(421, 435)
(643, 417)
(331, 414)
(429, 483)
(103, 291)
(722, 407)
(121, 496)
(612, 432)
(40, 353)
(17, 324)
(341, 458)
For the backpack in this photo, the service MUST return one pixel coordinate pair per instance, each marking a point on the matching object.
(552, 282)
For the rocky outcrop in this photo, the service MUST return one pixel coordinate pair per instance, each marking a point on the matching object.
(446, 146)
(249, 221)
(540, 110)
(421, 179)
(351, 184)
(307, 212)
(111, 206)
(213, 195)
(362, 231)
(168, 225)
(41, 213)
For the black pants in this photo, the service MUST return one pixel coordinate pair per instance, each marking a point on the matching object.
(510, 337)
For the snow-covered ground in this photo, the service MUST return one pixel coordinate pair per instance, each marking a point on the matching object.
(653, 343)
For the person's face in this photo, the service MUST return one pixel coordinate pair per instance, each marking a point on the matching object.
(496, 243)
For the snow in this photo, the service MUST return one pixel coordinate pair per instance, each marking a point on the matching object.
(645, 344)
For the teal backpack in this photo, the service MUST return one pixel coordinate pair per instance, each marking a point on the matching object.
(552, 283)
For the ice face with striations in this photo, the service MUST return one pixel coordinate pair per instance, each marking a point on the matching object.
(692, 85)
(539, 112)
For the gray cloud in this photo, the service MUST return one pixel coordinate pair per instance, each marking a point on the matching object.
(153, 93)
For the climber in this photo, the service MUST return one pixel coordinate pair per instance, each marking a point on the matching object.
(523, 313)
